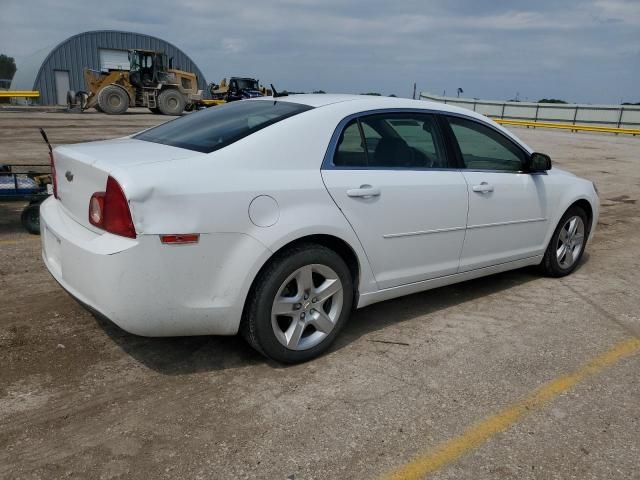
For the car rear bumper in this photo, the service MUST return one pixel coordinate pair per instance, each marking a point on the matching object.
(148, 288)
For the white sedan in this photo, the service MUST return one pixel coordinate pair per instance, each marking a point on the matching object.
(276, 217)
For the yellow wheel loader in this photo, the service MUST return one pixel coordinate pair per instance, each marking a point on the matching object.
(150, 82)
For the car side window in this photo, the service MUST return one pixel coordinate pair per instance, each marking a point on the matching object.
(350, 151)
(394, 140)
(482, 148)
(372, 136)
(402, 140)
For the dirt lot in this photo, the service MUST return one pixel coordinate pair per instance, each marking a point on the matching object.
(428, 382)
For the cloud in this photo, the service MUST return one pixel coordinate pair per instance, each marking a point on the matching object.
(618, 11)
(581, 50)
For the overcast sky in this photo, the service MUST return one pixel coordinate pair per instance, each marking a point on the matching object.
(578, 50)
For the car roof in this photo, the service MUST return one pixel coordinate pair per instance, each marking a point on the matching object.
(353, 104)
(316, 99)
(363, 102)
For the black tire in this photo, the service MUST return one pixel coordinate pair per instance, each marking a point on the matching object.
(171, 102)
(256, 324)
(30, 219)
(113, 100)
(550, 264)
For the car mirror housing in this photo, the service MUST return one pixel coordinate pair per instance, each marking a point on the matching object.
(539, 162)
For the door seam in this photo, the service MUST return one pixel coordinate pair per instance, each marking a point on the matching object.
(366, 255)
(466, 223)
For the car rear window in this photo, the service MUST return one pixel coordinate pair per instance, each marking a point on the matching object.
(219, 126)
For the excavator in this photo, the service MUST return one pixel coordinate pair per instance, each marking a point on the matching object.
(150, 82)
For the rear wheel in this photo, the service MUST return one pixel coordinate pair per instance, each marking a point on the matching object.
(113, 100)
(567, 244)
(171, 102)
(299, 303)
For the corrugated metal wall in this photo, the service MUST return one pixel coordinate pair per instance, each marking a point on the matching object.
(80, 51)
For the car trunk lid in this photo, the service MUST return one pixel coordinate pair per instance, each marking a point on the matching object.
(83, 169)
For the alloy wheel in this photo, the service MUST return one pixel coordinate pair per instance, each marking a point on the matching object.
(570, 242)
(307, 306)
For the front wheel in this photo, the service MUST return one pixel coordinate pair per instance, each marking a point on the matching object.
(299, 303)
(567, 244)
(171, 102)
(113, 100)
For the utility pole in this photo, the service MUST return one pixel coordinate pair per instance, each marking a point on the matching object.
(414, 90)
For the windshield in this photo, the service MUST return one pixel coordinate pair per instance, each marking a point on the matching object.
(217, 127)
(245, 83)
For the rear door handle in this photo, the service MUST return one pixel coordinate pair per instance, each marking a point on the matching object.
(365, 191)
(484, 187)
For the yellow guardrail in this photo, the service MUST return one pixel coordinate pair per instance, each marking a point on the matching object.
(568, 126)
(19, 93)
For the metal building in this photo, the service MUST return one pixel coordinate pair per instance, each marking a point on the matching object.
(55, 71)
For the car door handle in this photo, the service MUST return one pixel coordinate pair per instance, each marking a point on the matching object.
(484, 187)
(365, 191)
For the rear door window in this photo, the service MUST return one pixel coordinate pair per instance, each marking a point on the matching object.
(219, 126)
(350, 150)
(391, 141)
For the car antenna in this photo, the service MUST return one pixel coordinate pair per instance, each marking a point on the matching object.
(276, 93)
(46, 139)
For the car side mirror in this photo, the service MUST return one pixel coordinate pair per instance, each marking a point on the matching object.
(539, 162)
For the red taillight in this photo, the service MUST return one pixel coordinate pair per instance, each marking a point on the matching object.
(110, 211)
(54, 180)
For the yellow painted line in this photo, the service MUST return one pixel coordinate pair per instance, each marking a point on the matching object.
(568, 126)
(475, 436)
(19, 93)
